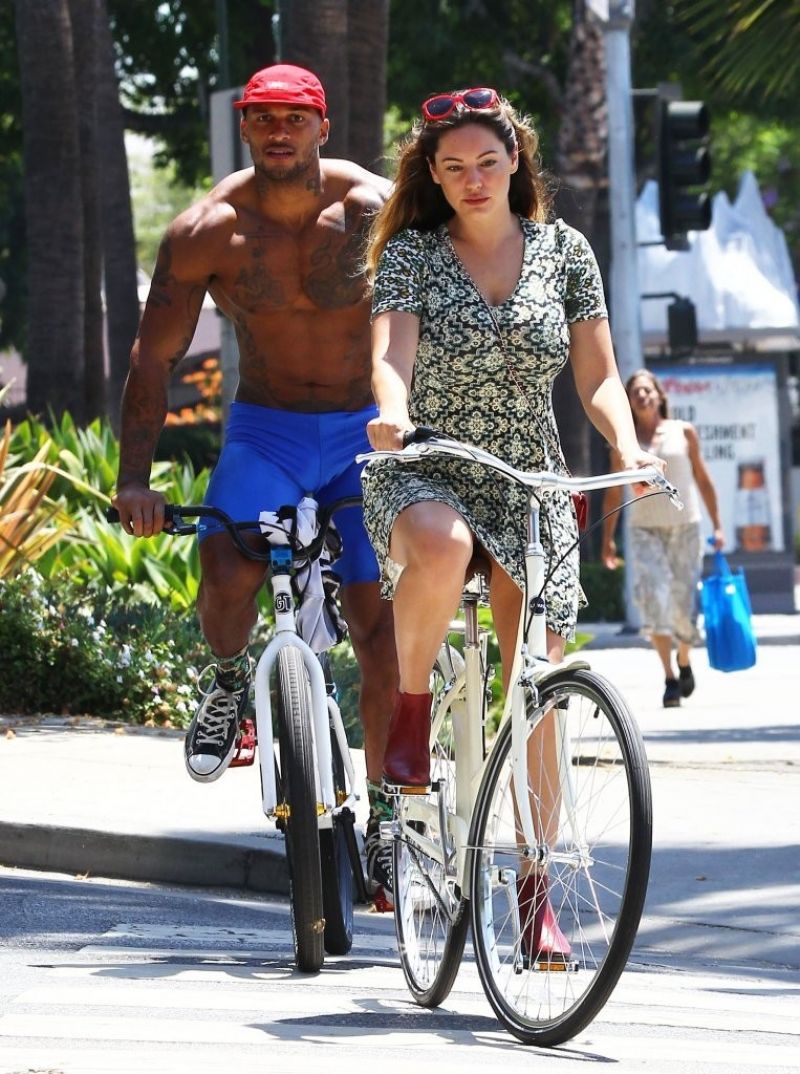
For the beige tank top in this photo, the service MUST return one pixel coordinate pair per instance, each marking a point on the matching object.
(671, 445)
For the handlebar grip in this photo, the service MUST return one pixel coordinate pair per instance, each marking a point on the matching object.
(419, 435)
(112, 514)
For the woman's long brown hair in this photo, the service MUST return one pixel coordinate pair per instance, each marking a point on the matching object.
(417, 202)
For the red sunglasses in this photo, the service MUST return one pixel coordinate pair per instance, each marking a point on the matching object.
(441, 105)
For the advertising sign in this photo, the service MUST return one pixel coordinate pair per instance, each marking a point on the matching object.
(734, 409)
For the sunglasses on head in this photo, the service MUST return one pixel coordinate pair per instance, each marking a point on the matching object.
(441, 105)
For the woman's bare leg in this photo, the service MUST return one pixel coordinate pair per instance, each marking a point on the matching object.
(434, 545)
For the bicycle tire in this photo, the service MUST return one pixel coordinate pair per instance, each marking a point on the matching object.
(598, 863)
(430, 913)
(337, 871)
(298, 784)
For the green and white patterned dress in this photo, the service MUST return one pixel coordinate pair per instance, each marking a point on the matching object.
(462, 386)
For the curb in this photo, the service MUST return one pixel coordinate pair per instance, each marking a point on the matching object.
(158, 859)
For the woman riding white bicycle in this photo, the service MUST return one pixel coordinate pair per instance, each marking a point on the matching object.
(478, 304)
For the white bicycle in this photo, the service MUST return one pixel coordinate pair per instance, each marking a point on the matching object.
(557, 808)
(308, 784)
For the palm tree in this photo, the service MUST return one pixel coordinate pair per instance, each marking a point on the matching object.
(314, 35)
(753, 45)
(368, 37)
(119, 243)
(53, 213)
(345, 44)
(581, 167)
(84, 17)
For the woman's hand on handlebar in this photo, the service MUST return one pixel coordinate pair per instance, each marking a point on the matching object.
(141, 510)
(387, 430)
(638, 459)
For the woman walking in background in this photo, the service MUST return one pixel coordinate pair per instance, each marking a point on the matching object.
(666, 552)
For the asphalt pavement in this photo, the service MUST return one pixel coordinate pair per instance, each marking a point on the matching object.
(95, 798)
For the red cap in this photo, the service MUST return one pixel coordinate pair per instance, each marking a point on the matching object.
(283, 83)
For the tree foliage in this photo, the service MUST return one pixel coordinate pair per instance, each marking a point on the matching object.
(169, 63)
(742, 57)
(750, 47)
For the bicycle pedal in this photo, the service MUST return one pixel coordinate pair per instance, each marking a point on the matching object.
(245, 752)
(550, 964)
(396, 790)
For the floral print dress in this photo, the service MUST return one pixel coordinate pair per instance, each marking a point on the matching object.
(463, 387)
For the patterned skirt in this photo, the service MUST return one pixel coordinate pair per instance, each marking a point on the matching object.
(496, 511)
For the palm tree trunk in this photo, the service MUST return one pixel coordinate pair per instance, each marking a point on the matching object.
(583, 132)
(53, 207)
(314, 35)
(368, 38)
(119, 244)
(84, 15)
(581, 167)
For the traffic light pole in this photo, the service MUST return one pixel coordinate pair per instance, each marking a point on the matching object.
(624, 284)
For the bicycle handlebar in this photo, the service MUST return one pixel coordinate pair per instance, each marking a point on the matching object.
(175, 516)
(421, 442)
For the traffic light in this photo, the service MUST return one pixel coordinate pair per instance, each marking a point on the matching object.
(684, 165)
(681, 326)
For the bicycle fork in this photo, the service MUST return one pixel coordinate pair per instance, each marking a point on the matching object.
(286, 635)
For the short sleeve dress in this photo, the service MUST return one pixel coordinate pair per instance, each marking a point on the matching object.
(463, 387)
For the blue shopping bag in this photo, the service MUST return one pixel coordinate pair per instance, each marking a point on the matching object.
(725, 603)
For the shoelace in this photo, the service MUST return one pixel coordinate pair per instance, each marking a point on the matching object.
(220, 708)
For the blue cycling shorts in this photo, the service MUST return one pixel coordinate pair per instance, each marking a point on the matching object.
(271, 458)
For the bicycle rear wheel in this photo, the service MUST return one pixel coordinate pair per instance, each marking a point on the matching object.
(589, 790)
(430, 915)
(336, 855)
(298, 785)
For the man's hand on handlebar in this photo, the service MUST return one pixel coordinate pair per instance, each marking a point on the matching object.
(141, 510)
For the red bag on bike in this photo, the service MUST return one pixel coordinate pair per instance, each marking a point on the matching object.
(581, 501)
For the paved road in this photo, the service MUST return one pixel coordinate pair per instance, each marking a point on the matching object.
(183, 981)
(713, 983)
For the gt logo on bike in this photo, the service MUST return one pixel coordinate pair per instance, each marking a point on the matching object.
(283, 603)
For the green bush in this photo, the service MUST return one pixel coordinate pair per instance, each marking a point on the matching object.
(348, 683)
(605, 591)
(161, 570)
(68, 653)
(199, 444)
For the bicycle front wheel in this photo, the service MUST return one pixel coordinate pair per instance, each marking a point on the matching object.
(585, 880)
(299, 808)
(430, 915)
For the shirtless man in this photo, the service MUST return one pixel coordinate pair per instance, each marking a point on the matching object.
(278, 248)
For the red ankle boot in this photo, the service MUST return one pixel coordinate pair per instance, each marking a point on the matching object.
(407, 761)
(542, 939)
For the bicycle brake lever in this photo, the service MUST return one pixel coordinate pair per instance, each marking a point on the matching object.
(175, 522)
(420, 435)
(669, 489)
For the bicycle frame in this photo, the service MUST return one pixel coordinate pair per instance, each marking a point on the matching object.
(462, 700)
(326, 712)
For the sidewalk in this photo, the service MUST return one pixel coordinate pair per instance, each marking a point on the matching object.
(89, 797)
(769, 630)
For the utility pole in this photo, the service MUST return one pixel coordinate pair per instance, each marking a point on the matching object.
(625, 307)
(616, 18)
